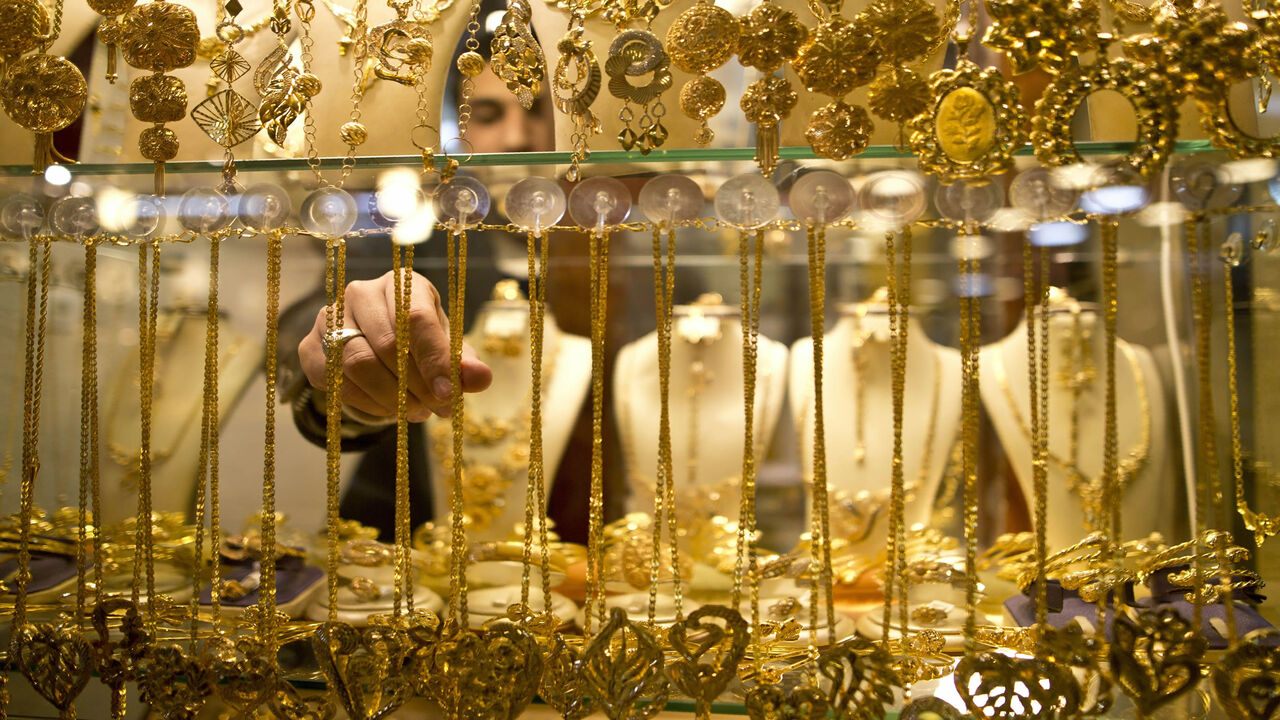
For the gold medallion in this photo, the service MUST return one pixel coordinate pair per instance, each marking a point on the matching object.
(838, 130)
(1150, 94)
(769, 37)
(159, 36)
(158, 98)
(1041, 33)
(700, 40)
(839, 57)
(25, 23)
(516, 56)
(972, 126)
(43, 93)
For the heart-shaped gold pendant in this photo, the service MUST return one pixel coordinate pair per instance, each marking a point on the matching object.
(696, 636)
(244, 673)
(173, 683)
(563, 686)
(117, 660)
(57, 661)
(1155, 658)
(1070, 647)
(996, 686)
(491, 676)
(862, 679)
(770, 702)
(364, 668)
(1247, 682)
(622, 665)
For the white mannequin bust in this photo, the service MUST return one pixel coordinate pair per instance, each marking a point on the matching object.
(1148, 504)
(710, 334)
(500, 337)
(931, 407)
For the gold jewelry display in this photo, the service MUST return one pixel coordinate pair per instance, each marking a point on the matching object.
(1043, 33)
(701, 39)
(974, 120)
(41, 92)
(838, 57)
(515, 55)
(905, 30)
(159, 36)
(664, 511)
(227, 117)
(768, 38)
(285, 92)
(636, 53)
(575, 85)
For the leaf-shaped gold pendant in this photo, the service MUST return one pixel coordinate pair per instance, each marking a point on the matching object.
(117, 659)
(1247, 681)
(997, 686)
(489, 677)
(770, 702)
(289, 704)
(623, 666)
(244, 672)
(709, 653)
(862, 679)
(57, 661)
(364, 668)
(1155, 658)
(563, 687)
(173, 683)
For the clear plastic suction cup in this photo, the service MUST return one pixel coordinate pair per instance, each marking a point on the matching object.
(204, 210)
(74, 216)
(892, 199)
(599, 201)
(21, 216)
(1116, 190)
(1201, 185)
(462, 202)
(144, 216)
(671, 199)
(265, 207)
(822, 197)
(536, 203)
(1037, 193)
(966, 201)
(747, 201)
(329, 211)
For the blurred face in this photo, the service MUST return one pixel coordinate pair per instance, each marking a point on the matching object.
(500, 125)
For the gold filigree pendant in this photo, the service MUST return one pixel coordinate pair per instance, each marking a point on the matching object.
(861, 677)
(364, 669)
(1155, 657)
(563, 685)
(173, 683)
(1001, 687)
(707, 663)
(623, 664)
(400, 50)
(767, 701)
(1247, 681)
(838, 130)
(971, 127)
(636, 53)
(44, 94)
(244, 673)
(285, 93)
(1149, 92)
(575, 85)
(57, 661)
(700, 40)
(495, 676)
(517, 57)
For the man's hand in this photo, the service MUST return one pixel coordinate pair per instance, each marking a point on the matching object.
(369, 362)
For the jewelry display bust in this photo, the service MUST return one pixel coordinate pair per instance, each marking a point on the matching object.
(497, 420)
(859, 409)
(1076, 410)
(706, 408)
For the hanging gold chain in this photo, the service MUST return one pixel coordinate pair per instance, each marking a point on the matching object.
(1040, 406)
(88, 428)
(208, 508)
(458, 542)
(1113, 493)
(335, 251)
(598, 256)
(663, 294)
(899, 302)
(1206, 471)
(402, 270)
(819, 522)
(267, 586)
(970, 339)
(38, 274)
(750, 270)
(144, 539)
(535, 504)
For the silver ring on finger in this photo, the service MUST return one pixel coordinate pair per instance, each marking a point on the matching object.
(338, 339)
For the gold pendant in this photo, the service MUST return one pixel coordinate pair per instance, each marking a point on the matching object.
(862, 679)
(766, 103)
(1041, 33)
(516, 56)
(1155, 658)
(994, 685)
(635, 53)
(363, 668)
(285, 93)
(1247, 682)
(1071, 648)
(723, 644)
(563, 685)
(700, 40)
(244, 673)
(575, 85)
(25, 23)
(174, 684)
(972, 126)
(838, 130)
(1150, 94)
(43, 93)
(622, 665)
(840, 56)
(400, 50)
(57, 661)
(118, 653)
(491, 677)
(767, 701)
(227, 117)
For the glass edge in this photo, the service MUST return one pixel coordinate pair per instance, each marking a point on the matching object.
(598, 157)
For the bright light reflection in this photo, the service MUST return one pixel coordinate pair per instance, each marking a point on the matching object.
(1075, 177)
(1057, 234)
(1162, 214)
(399, 196)
(57, 175)
(1249, 170)
(416, 229)
(1115, 199)
(117, 209)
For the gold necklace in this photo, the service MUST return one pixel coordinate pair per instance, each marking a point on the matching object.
(898, 300)
(226, 116)
(664, 487)
(402, 269)
(770, 36)
(1086, 487)
(41, 92)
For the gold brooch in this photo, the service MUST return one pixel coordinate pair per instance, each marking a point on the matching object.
(1258, 60)
(904, 30)
(840, 56)
(516, 56)
(973, 124)
(26, 25)
(1041, 33)
(43, 93)
(1152, 100)
(700, 40)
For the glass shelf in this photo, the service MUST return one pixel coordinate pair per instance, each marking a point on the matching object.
(598, 157)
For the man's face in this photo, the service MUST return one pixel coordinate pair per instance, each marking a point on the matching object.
(500, 125)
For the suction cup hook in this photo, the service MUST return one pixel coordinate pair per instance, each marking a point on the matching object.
(1115, 189)
(599, 202)
(74, 216)
(671, 199)
(1201, 185)
(265, 207)
(969, 201)
(821, 197)
(21, 216)
(892, 199)
(535, 203)
(328, 212)
(204, 210)
(1038, 195)
(462, 202)
(146, 215)
(747, 201)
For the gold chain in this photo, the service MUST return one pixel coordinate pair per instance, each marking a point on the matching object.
(536, 492)
(335, 291)
(1038, 387)
(970, 340)
(598, 256)
(267, 586)
(1206, 470)
(750, 270)
(899, 302)
(1113, 491)
(38, 274)
(353, 132)
(458, 541)
(820, 523)
(663, 295)
(88, 428)
(144, 540)
(402, 271)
